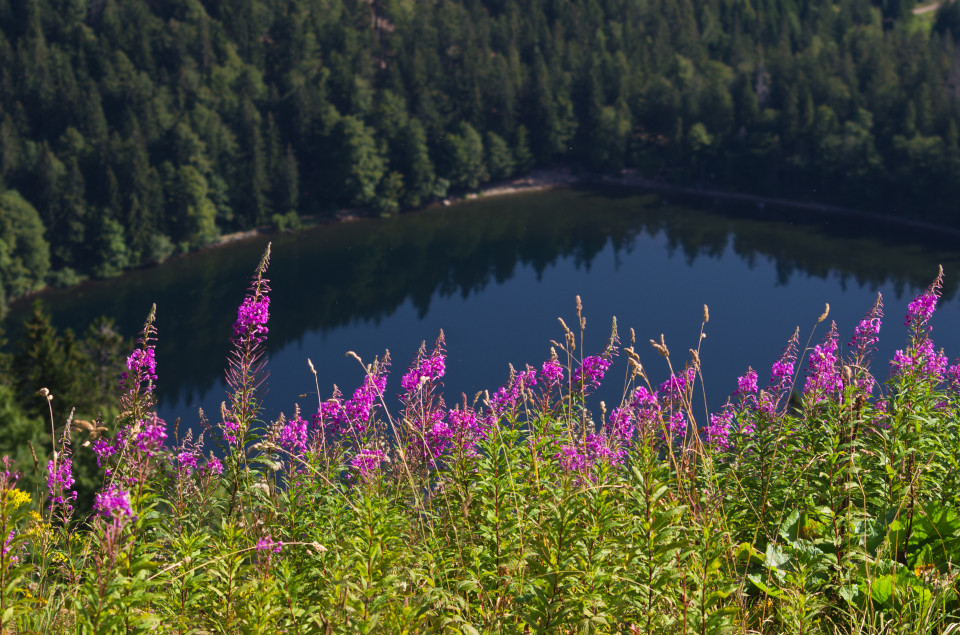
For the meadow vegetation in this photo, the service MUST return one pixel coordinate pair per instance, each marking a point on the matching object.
(822, 501)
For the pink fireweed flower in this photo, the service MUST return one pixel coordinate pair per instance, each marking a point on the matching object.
(142, 365)
(186, 457)
(506, 398)
(149, 440)
(113, 504)
(103, 448)
(467, 429)
(864, 344)
(359, 409)
(7, 546)
(923, 359)
(367, 464)
(591, 371)
(675, 388)
(646, 412)
(781, 373)
(59, 481)
(331, 417)
(213, 466)
(137, 382)
(230, 429)
(622, 424)
(867, 333)
(599, 450)
(252, 317)
(718, 432)
(187, 460)
(426, 369)
(293, 436)
(268, 544)
(427, 435)
(246, 372)
(552, 372)
(677, 425)
(439, 434)
(824, 380)
(747, 384)
(571, 460)
(921, 309)
(643, 397)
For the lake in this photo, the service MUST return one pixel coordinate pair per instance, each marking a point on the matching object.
(496, 273)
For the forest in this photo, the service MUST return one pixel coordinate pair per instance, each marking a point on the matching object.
(131, 131)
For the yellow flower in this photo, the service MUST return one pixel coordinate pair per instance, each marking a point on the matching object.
(16, 498)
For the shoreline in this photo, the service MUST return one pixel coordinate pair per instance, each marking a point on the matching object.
(541, 180)
(544, 179)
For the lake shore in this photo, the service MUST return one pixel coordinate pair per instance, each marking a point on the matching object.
(554, 178)
(546, 179)
(557, 178)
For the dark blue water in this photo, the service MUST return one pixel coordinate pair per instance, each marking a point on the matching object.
(496, 274)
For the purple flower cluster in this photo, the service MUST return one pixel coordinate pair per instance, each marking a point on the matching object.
(467, 429)
(718, 432)
(113, 504)
(143, 364)
(267, 543)
(921, 309)
(359, 409)
(336, 417)
(600, 450)
(867, 333)
(230, 429)
(622, 425)
(213, 466)
(186, 460)
(153, 432)
(507, 397)
(824, 379)
(647, 411)
(677, 425)
(571, 460)
(367, 464)
(330, 416)
(425, 370)
(59, 481)
(931, 364)
(591, 371)
(747, 384)
(104, 448)
(7, 546)
(252, 317)
(293, 435)
(552, 372)
(781, 373)
(674, 389)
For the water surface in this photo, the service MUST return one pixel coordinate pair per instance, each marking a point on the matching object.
(495, 274)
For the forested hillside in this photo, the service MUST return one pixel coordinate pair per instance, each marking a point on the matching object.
(131, 129)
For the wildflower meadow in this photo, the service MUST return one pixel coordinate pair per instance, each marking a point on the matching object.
(823, 497)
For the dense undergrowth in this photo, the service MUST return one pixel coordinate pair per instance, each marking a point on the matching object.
(825, 502)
